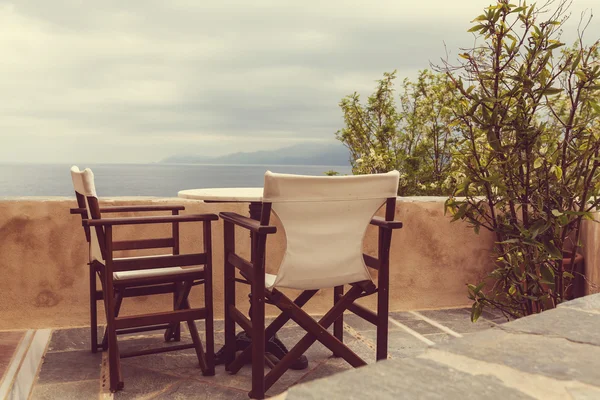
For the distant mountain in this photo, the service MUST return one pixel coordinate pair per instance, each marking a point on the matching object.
(300, 154)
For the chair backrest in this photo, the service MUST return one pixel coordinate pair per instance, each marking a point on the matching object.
(85, 191)
(325, 219)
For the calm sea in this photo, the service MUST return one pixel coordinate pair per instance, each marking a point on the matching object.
(163, 180)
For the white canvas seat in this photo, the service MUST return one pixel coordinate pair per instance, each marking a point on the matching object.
(325, 220)
(153, 273)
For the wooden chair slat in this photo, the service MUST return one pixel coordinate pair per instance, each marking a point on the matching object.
(157, 350)
(244, 266)
(159, 318)
(241, 319)
(142, 329)
(143, 244)
(181, 260)
(364, 313)
(371, 261)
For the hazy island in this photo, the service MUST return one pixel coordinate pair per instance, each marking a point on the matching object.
(330, 154)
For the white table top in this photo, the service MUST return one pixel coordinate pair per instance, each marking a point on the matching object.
(241, 195)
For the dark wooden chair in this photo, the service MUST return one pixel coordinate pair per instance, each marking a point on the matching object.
(145, 275)
(324, 219)
(97, 295)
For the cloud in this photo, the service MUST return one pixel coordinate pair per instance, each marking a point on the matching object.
(139, 80)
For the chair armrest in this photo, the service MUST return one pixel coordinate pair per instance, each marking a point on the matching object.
(382, 223)
(247, 223)
(117, 209)
(150, 220)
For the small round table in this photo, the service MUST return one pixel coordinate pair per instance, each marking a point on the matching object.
(254, 197)
(228, 195)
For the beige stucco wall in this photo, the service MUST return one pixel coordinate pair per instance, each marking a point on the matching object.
(590, 234)
(44, 277)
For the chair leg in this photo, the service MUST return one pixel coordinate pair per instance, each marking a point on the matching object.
(114, 361)
(173, 332)
(177, 333)
(316, 331)
(112, 303)
(93, 310)
(246, 355)
(209, 328)
(229, 295)
(383, 297)
(338, 325)
(118, 302)
(258, 341)
(198, 345)
(382, 326)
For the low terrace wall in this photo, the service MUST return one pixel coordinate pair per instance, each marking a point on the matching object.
(44, 276)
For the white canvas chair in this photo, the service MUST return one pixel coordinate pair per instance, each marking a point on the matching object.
(142, 276)
(325, 220)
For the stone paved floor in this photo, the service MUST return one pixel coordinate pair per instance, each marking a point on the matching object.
(546, 356)
(71, 371)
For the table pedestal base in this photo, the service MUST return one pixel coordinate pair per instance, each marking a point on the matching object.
(274, 347)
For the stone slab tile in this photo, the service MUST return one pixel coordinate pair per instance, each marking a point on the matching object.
(440, 338)
(591, 302)
(70, 366)
(535, 354)
(402, 344)
(420, 326)
(402, 315)
(183, 363)
(462, 314)
(466, 326)
(359, 323)
(190, 389)
(326, 369)
(67, 391)
(409, 379)
(143, 383)
(575, 325)
(72, 339)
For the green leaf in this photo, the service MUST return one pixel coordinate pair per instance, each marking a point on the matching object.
(476, 28)
(552, 91)
(556, 213)
(476, 311)
(537, 163)
(493, 140)
(512, 290)
(479, 287)
(567, 274)
(553, 250)
(538, 227)
(508, 241)
(482, 17)
(557, 171)
(460, 213)
(547, 274)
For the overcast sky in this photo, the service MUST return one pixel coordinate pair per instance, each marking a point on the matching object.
(140, 80)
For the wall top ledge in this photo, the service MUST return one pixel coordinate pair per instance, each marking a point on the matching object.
(409, 199)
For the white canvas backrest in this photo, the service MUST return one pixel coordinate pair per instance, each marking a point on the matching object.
(83, 183)
(325, 219)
